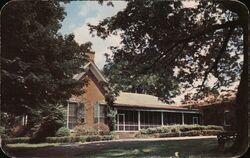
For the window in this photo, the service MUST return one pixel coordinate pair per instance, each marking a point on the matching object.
(72, 115)
(227, 118)
(195, 120)
(99, 113)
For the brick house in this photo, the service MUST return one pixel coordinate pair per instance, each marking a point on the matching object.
(136, 111)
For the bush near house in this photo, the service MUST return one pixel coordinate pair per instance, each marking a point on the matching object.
(66, 139)
(180, 130)
(63, 131)
(81, 130)
(102, 128)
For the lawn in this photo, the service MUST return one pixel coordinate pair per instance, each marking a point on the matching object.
(171, 148)
(155, 149)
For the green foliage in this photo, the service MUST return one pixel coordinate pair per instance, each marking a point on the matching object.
(38, 65)
(64, 139)
(17, 140)
(2, 130)
(111, 114)
(184, 130)
(49, 120)
(102, 128)
(81, 130)
(63, 131)
(174, 45)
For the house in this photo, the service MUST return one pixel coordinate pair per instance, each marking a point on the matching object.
(134, 111)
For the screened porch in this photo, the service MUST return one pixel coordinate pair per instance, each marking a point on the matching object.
(136, 119)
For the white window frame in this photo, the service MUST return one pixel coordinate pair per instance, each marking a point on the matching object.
(68, 112)
(197, 118)
(118, 123)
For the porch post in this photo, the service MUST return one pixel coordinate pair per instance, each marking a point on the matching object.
(183, 118)
(67, 114)
(139, 120)
(161, 118)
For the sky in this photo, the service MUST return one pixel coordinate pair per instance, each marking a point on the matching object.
(79, 14)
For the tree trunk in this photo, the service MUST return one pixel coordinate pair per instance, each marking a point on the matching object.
(241, 144)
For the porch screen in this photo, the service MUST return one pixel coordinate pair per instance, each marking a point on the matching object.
(150, 119)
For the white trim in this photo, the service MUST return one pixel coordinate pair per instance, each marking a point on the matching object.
(183, 118)
(195, 117)
(162, 123)
(68, 114)
(194, 111)
(97, 72)
(139, 120)
(94, 69)
(98, 114)
(118, 122)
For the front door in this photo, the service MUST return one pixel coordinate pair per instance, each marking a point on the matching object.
(121, 122)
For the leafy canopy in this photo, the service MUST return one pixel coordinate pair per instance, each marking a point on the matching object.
(174, 44)
(37, 63)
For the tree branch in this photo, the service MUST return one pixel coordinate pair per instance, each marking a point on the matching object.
(218, 57)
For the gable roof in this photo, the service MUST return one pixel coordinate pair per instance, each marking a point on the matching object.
(91, 66)
(135, 100)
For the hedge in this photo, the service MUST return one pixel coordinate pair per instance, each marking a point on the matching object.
(179, 130)
(61, 139)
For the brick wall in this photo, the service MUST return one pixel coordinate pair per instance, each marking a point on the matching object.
(93, 93)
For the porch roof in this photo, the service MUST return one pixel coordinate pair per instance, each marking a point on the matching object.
(135, 100)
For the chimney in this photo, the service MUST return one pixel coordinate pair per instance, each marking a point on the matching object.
(91, 56)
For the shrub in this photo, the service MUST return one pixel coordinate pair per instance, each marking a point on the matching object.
(57, 139)
(102, 128)
(63, 131)
(2, 130)
(84, 130)
(18, 131)
(210, 132)
(107, 137)
(163, 135)
(93, 138)
(17, 140)
(191, 133)
(180, 130)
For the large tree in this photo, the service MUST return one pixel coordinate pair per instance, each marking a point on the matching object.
(192, 44)
(37, 63)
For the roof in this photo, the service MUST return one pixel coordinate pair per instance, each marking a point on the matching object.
(227, 97)
(94, 69)
(136, 100)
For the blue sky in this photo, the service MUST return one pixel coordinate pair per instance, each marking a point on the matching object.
(79, 14)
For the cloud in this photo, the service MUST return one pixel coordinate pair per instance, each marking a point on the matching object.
(93, 13)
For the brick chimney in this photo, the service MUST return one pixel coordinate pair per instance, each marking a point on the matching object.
(91, 56)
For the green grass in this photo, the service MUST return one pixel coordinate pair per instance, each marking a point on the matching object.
(25, 145)
(182, 148)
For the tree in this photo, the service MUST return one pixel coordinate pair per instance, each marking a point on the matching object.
(38, 64)
(196, 43)
(145, 83)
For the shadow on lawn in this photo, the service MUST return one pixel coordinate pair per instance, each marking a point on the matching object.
(159, 148)
(170, 148)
